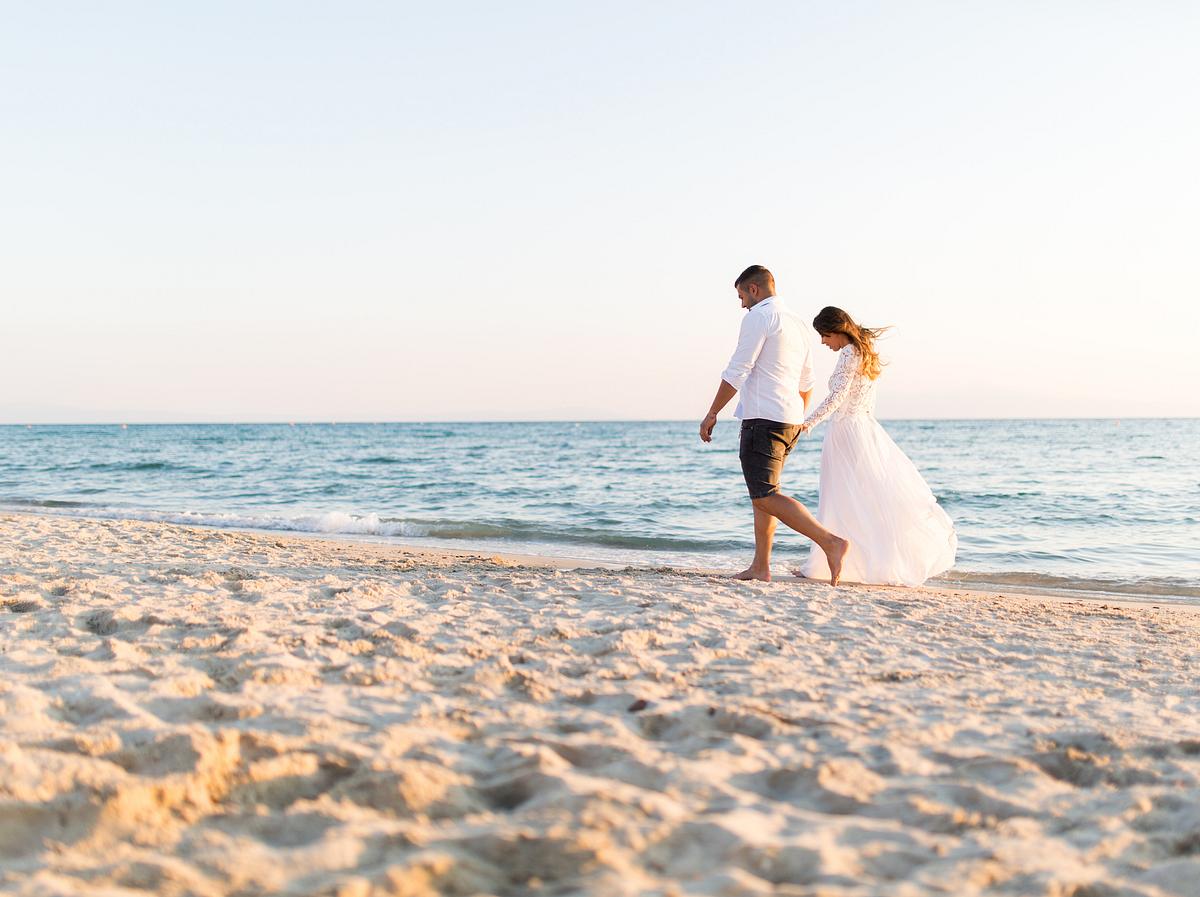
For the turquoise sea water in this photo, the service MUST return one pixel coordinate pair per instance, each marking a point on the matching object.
(1098, 505)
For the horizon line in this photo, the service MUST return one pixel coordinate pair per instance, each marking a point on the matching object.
(314, 422)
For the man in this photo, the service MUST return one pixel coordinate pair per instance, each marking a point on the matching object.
(772, 367)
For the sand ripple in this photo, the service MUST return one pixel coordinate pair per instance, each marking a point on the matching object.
(192, 712)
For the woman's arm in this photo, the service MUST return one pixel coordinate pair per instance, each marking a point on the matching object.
(839, 387)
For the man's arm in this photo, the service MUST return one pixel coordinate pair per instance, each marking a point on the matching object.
(751, 337)
(806, 376)
(725, 392)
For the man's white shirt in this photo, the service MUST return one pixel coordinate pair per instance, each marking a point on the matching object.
(772, 364)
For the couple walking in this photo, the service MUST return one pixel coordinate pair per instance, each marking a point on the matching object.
(876, 521)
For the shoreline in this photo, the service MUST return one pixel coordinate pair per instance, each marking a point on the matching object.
(569, 562)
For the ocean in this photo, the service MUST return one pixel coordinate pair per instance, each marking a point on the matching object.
(1096, 506)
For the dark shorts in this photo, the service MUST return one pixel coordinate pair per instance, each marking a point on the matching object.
(764, 446)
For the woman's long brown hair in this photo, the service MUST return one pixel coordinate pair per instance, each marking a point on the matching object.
(834, 320)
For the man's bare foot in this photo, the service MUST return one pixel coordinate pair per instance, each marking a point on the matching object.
(835, 554)
(754, 573)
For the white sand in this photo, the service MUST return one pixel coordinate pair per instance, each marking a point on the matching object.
(187, 711)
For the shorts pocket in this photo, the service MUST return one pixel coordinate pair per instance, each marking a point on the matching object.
(769, 442)
(746, 441)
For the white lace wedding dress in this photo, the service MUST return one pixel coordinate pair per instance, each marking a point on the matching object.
(872, 494)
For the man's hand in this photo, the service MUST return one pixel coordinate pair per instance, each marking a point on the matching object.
(725, 392)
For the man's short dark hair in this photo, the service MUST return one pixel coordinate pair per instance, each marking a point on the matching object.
(757, 275)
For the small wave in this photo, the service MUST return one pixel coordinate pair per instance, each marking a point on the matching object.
(332, 522)
(518, 531)
(125, 466)
(957, 495)
(1149, 587)
(42, 503)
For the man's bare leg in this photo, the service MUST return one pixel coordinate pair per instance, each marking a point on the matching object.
(764, 534)
(798, 517)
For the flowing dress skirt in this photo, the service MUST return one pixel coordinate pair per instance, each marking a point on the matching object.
(872, 495)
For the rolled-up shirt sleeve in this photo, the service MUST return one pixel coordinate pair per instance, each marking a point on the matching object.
(750, 342)
(807, 380)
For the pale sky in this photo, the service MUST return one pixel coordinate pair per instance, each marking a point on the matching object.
(396, 211)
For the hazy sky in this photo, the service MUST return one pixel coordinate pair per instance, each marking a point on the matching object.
(403, 211)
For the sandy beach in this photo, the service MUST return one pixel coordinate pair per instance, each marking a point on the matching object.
(201, 712)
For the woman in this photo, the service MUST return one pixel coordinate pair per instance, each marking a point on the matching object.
(870, 492)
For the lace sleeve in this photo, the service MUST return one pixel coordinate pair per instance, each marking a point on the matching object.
(839, 387)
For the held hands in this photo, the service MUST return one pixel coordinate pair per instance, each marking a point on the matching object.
(706, 427)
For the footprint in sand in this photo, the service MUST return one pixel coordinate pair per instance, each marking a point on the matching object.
(407, 787)
(99, 622)
(288, 830)
(23, 605)
(278, 782)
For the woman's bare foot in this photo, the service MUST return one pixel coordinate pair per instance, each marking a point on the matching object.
(763, 575)
(835, 553)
